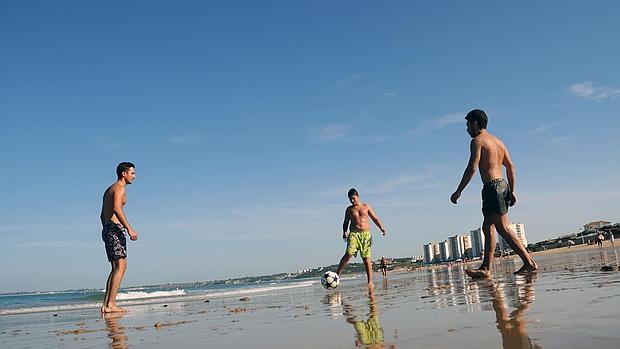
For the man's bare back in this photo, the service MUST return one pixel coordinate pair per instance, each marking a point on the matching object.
(107, 209)
(492, 156)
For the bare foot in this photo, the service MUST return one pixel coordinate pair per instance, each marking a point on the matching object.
(478, 273)
(527, 268)
(113, 309)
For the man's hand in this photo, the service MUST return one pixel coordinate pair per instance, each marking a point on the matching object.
(384, 231)
(133, 235)
(455, 196)
(513, 199)
(345, 235)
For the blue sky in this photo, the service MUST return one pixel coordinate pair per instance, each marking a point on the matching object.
(248, 123)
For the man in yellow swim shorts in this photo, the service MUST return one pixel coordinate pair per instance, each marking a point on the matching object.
(356, 230)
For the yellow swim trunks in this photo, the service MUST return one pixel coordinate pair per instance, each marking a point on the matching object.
(359, 241)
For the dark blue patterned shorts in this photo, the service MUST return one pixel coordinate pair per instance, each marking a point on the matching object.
(496, 196)
(113, 236)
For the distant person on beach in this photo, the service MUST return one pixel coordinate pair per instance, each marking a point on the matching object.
(611, 238)
(383, 266)
(356, 231)
(489, 154)
(599, 240)
(115, 226)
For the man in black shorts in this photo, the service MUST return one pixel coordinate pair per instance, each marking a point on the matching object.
(115, 226)
(489, 155)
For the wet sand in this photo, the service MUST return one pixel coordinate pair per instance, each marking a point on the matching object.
(569, 303)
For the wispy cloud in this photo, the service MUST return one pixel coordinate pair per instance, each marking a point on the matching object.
(541, 129)
(561, 142)
(184, 139)
(330, 133)
(439, 123)
(395, 183)
(386, 96)
(349, 80)
(590, 91)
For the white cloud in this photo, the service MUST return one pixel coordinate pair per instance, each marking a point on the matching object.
(330, 133)
(184, 139)
(349, 80)
(542, 129)
(590, 91)
(561, 142)
(439, 123)
(386, 96)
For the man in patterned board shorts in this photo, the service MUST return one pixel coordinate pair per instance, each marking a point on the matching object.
(356, 231)
(115, 226)
(489, 154)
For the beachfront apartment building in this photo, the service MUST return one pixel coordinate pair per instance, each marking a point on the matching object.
(477, 242)
(436, 254)
(444, 251)
(519, 229)
(455, 244)
(466, 243)
(427, 253)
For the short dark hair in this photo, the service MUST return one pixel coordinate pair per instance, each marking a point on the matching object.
(479, 116)
(352, 192)
(123, 167)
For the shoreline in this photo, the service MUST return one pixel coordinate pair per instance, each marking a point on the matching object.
(432, 308)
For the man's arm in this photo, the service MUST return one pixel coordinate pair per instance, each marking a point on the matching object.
(345, 224)
(120, 215)
(470, 170)
(376, 219)
(511, 173)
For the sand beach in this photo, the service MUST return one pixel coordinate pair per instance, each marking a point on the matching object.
(569, 303)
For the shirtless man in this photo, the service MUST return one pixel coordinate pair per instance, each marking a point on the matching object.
(489, 154)
(358, 236)
(383, 266)
(115, 226)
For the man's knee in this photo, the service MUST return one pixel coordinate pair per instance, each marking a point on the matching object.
(120, 264)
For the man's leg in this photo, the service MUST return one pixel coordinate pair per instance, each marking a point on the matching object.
(116, 276)
(106, 297)
(503, 228)
(368, 267)
(489, 250)
(343, 262)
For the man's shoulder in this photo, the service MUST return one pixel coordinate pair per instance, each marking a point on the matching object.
(115, 189)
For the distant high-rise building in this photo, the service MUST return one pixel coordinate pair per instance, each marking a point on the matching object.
(444, 251)
(519, 229)
(456, 247)
(428, 253)
(436, 253)
(477, 242)
(466, 245)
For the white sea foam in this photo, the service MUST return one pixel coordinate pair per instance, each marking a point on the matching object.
(137, 298)
(142, 295)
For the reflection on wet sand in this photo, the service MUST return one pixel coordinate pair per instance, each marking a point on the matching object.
(369, 333)
(116, 332)
(512, 326)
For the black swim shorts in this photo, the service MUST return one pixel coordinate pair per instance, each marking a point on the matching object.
(113, 236)
(496, 197)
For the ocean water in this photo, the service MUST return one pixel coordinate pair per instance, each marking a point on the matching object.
(53, 301)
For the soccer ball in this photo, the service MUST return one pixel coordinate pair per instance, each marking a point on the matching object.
(330, 280)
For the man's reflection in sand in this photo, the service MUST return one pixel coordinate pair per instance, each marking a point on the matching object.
(369, 333)
(116, 332)
(512, 326)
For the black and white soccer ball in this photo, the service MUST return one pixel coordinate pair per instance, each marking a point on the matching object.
(330, 280)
